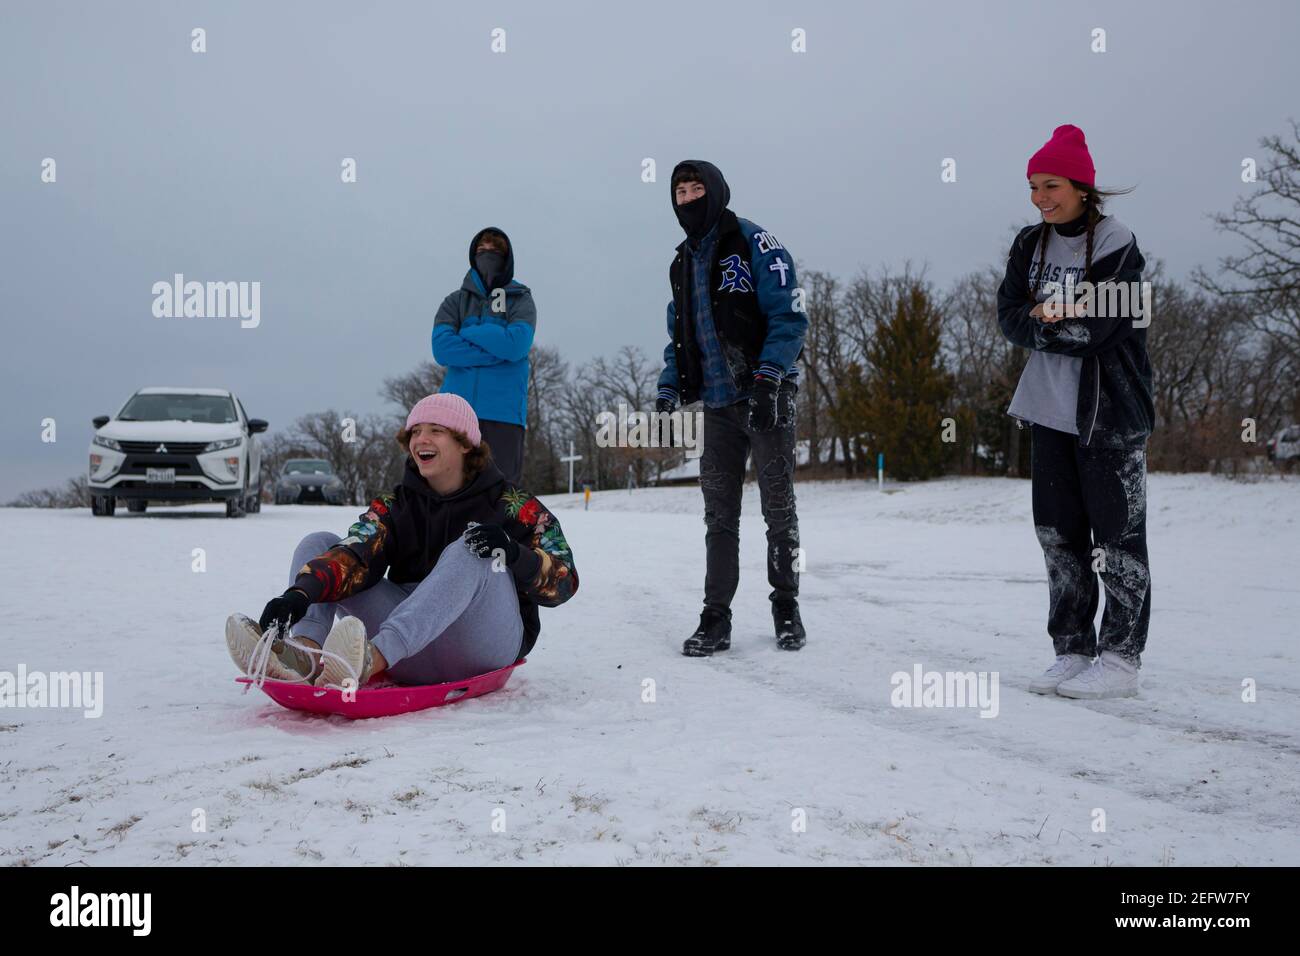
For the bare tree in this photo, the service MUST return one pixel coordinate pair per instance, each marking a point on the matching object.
(405, 390)
(826, 357)
(986, 368)
(547, 378)
(74, 493)
(1266, 277)
(366, 457)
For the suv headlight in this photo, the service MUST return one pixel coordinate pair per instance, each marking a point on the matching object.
(224, 443)
(106, 442)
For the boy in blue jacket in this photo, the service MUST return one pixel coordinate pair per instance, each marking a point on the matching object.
(482, 334)
(736, 330)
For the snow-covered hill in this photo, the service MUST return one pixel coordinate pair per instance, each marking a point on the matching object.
(733, 754)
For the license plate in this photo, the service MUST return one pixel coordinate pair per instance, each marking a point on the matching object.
(160, 476)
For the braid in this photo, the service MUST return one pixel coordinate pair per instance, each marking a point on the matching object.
(1093, 214)
(1094, 200)
(1042, 261)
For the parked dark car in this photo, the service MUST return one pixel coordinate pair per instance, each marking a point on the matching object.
(308, 479)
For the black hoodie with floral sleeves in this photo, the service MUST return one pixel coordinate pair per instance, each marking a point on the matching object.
(405, 531)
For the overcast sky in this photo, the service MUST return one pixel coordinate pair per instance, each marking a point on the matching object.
(225, 166)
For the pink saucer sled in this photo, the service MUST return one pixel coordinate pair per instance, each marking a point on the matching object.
(380, 698)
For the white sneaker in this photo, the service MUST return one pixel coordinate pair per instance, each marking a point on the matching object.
(242, 638)
(1109, 676)
(1066, 666)
(346, 643)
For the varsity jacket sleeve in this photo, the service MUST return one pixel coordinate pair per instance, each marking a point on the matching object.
(355, 563)
(775, 284)
(668, 377)
(509, 342)
(545, 573)
(449, 346)
(1082, 337)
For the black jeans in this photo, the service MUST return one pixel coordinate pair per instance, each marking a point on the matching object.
(507, 444)
(728, 441)
(1090, 510)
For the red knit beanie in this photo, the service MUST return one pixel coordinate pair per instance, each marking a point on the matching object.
(1065, 154)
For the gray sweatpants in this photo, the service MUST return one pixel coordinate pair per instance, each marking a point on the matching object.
(460, 621)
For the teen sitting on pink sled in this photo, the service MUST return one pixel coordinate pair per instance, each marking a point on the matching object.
(469, 559)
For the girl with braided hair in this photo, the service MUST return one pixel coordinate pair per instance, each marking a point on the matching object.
(1086, 395)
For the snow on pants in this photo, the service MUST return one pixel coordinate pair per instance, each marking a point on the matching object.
(461, 620)
(1090, 510)
(728, 441)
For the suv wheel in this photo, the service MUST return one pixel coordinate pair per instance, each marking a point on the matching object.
(235, 508)
(103, 506)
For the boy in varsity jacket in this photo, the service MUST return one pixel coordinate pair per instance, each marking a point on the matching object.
(736, 330)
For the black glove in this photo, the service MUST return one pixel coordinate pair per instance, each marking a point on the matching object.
(666, 404)
(763, 411)
(286, 611)
(485, 540)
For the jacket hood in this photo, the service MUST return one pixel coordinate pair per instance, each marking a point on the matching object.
(485, 481)
(717, 194)
(508, 273)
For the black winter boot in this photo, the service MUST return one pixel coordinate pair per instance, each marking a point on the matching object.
(713, 634)
(790, 634)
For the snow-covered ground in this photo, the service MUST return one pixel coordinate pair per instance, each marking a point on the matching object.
(733, 755)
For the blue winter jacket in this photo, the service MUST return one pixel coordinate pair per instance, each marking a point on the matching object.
(486, 350)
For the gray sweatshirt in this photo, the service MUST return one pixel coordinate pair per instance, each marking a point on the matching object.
(1048, 391)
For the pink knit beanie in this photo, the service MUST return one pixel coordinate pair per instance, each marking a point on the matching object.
(1065, 154)
(449, 411)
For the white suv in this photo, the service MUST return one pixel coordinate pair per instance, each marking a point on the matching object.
(177, 444)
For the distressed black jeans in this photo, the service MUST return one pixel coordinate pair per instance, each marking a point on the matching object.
(1090, 512)
(728, 443)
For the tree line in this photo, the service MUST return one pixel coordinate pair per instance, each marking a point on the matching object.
(895, 365)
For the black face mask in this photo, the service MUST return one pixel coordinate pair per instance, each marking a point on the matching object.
(490, 265)
(694, 216)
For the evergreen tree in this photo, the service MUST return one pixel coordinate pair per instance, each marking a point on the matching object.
(907, 391)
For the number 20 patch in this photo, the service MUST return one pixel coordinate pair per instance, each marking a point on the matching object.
(766, 242)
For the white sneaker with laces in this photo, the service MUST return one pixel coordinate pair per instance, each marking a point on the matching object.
(243, 640)
(1066, 666)
(1109, 676)
(346, 655)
